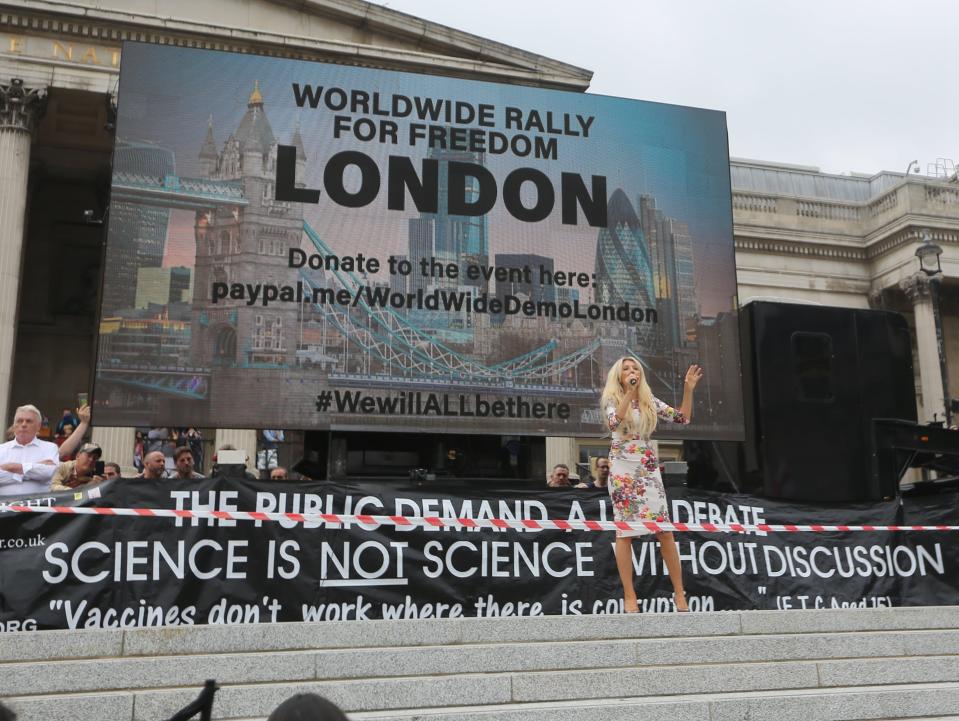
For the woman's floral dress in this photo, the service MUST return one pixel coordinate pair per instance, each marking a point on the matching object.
(635, 483)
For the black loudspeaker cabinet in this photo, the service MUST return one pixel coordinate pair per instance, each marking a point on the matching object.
(814, 378)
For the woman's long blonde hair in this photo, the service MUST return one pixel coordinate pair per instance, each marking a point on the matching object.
(614, 392)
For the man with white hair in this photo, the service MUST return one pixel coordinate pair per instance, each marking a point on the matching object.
(27, 463)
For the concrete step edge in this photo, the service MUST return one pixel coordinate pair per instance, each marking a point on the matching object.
(425, 713)
(802, 690)
(536, 646)
(917, 694)
(31, 656)
(425, 717)
(904, 687)
(901, 662)
(185, 640)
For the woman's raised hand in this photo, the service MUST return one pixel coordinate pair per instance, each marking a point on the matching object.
(693, 376)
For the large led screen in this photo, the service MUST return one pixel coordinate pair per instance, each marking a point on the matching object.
(296, 244)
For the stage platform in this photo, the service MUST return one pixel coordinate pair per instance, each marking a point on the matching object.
(827, 665)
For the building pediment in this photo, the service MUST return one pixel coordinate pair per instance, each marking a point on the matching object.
(345, 31)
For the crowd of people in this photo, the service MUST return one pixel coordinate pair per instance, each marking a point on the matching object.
(168, 442)
(560, 476)
(31, 465)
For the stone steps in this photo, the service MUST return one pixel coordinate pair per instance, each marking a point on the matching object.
(808, 665)
(179, 677)
(79, 675)
(876, 702)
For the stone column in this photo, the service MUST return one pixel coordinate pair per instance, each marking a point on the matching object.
(117, 444)
(919, 289)
(244, 440)
(560, 449)
(20, 108)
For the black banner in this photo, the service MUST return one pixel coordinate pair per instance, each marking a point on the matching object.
(63, 571)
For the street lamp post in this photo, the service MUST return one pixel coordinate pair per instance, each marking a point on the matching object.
(929, 263)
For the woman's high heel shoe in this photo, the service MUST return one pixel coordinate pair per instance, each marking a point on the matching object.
(678, 609)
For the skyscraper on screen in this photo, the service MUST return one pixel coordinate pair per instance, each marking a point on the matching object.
(623, 264)
(137, 231)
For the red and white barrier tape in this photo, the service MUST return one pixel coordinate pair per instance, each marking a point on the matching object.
(337, 519)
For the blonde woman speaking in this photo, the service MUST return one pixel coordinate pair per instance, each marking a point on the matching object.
(635, 484)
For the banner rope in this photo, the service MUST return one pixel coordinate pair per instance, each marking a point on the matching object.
(525, 524)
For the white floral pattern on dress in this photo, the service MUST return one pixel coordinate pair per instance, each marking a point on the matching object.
(635, 483)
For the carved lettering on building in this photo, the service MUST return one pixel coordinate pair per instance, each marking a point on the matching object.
(62, 50)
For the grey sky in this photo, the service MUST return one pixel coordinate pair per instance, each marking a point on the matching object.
(845, 85)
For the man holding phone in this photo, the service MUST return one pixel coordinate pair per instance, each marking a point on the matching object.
(86, 469)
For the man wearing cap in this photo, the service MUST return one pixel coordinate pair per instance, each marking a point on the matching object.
(80, 472)
(27, 463)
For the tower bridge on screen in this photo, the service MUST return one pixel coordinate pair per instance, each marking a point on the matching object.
(386, 347)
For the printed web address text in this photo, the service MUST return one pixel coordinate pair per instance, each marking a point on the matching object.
(35, 541)
(447, 405)
(454, 301)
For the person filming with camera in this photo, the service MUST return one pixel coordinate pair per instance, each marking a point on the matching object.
(86, 469)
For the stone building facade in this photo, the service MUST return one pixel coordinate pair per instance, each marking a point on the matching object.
(840, 240)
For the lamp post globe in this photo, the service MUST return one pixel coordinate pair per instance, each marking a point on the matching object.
(929, 255)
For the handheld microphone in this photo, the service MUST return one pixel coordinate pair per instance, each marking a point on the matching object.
(632, 381)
